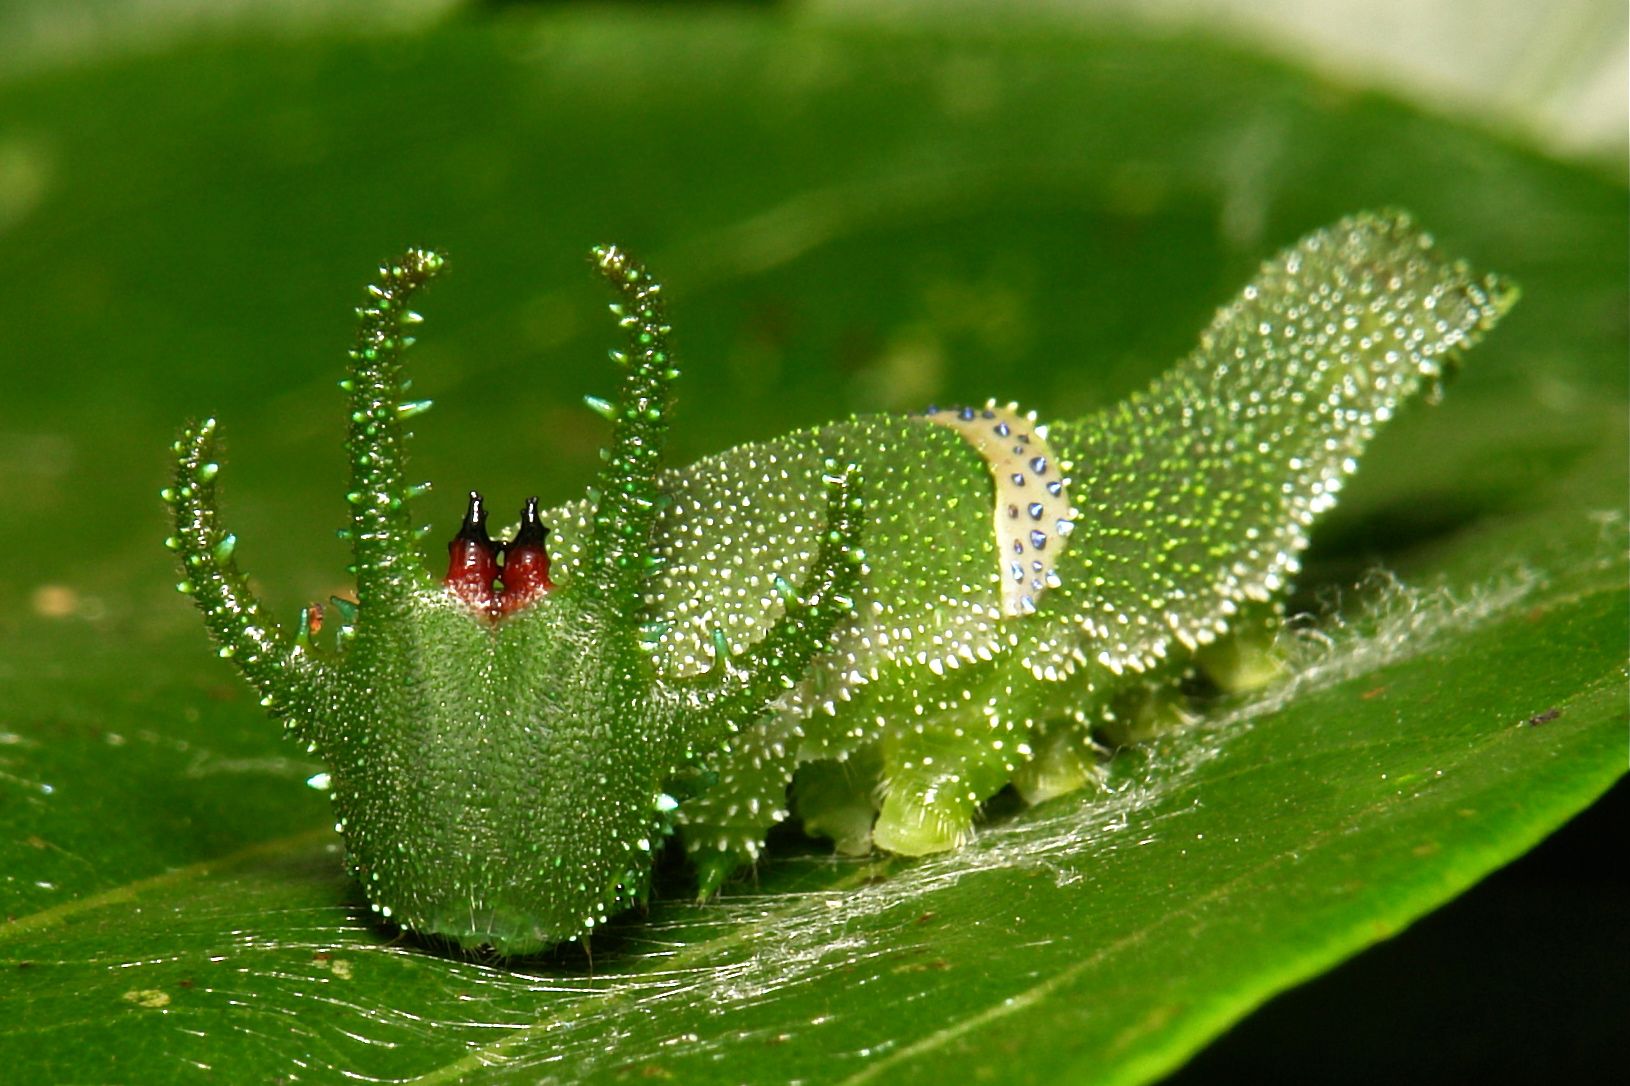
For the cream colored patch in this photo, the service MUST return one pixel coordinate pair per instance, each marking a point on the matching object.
(54, 601)
(1033, 515)
(25, 177)
(340, 967)
(151, 998)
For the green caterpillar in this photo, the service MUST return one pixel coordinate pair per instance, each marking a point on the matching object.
(896, 615)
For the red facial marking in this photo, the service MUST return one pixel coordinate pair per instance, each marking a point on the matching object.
(472, 560)
(526, 563)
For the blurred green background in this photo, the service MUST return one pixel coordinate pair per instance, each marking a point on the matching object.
(855, 206)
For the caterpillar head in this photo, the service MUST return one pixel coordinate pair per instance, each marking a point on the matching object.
(499, 745)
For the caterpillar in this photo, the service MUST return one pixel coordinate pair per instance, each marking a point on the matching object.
(875, 624)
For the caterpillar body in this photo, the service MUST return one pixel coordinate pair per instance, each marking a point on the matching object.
(875, 624)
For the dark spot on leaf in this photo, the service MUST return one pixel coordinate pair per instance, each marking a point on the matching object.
(1543, 718)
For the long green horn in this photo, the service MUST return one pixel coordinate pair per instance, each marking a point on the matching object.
(383, 545)
(620, 551)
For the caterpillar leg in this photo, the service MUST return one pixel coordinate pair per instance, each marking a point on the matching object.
(838, 800)
(1247, 658)
(936, 778)
(1066, 760)
(724, 827)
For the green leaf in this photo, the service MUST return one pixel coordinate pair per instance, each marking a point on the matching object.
(848, 219)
